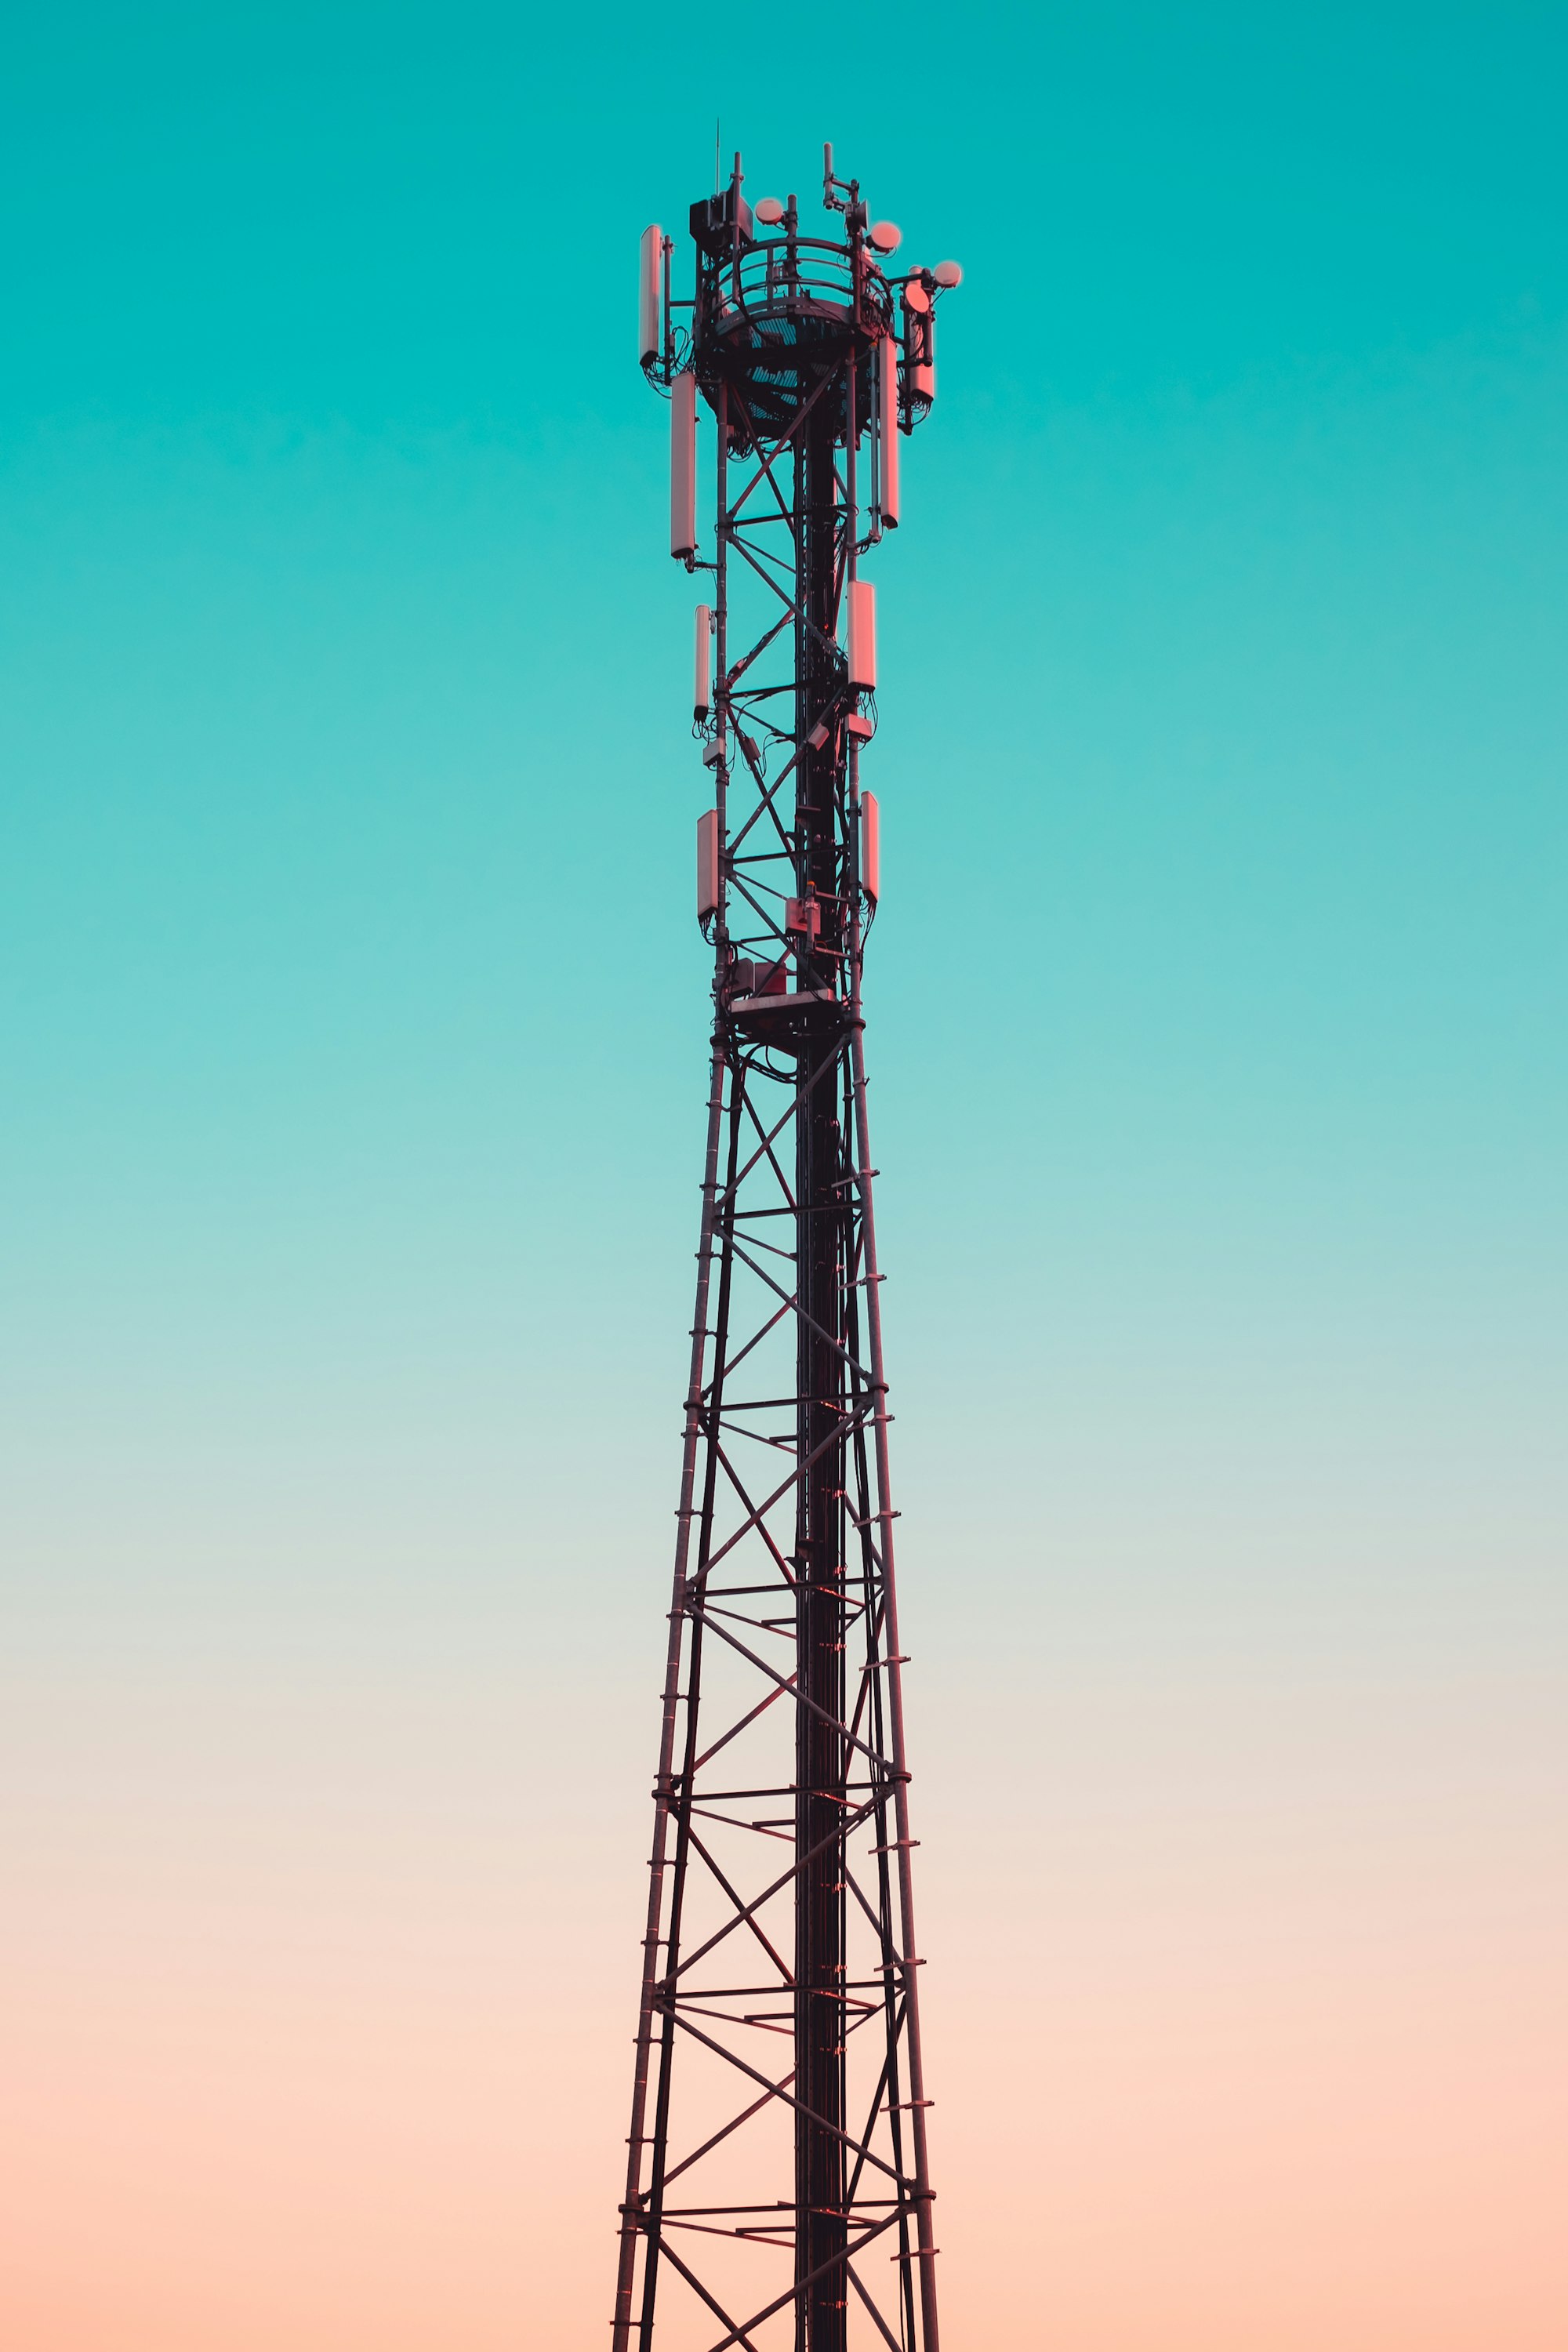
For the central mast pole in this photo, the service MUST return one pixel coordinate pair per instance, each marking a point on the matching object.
(820, 1210)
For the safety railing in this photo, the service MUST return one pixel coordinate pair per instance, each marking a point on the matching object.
(776, 272)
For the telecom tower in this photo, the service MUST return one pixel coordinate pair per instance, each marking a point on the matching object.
(777, 2188)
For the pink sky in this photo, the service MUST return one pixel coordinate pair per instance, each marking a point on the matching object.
(1222, 2066)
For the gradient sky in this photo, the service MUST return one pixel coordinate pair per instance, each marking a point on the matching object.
(352, 1034)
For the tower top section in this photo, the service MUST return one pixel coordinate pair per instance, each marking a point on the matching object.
(775, 314)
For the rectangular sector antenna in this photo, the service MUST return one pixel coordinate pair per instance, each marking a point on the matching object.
(862, 647)
(870, 845)
(920, 347)
(706, 865)
(888, 427)
(683, 466)
(651, 296)
(703, 665)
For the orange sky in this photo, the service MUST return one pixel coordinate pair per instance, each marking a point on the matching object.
(1217, 2066)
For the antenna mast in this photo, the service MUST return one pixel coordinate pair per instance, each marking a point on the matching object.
(778, 2193)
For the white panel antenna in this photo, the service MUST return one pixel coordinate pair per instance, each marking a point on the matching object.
(919, 348)
(888, 429)
(702, 666)
(870, 846)
(706, 865)
(683, 466)
(651, 296)
(862, 646)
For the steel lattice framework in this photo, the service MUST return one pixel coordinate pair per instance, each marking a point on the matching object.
(775, 2195)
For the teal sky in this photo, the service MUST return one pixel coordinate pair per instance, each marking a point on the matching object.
(352, 1018)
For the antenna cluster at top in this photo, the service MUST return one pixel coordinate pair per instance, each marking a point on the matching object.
(772, 306)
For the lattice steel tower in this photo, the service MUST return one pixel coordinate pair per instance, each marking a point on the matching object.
(779, 2197)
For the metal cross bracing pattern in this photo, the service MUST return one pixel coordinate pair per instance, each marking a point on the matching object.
(777, 2190)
